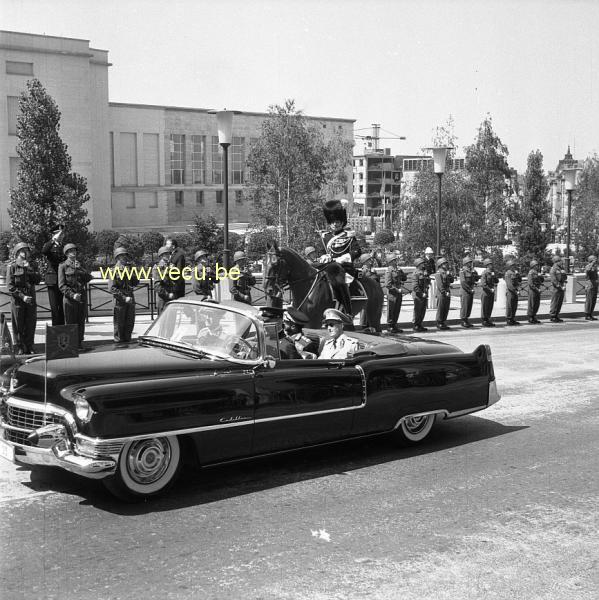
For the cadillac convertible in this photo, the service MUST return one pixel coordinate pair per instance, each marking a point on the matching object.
(206, 383)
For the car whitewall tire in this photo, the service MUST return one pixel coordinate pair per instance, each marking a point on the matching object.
(414, 429)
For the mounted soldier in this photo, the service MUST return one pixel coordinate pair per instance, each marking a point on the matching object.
(342, 248)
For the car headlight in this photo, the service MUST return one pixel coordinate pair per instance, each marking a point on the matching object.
(83, 410)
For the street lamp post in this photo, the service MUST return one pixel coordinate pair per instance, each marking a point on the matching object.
(570, 184)
(439, 160)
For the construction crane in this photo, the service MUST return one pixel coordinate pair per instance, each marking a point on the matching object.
(372, 140)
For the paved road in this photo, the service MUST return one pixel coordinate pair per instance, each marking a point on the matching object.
(498, 505)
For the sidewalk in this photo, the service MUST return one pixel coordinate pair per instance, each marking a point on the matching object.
(100, 329)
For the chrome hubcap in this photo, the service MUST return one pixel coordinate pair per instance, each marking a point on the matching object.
(416, 424)
(147, 460)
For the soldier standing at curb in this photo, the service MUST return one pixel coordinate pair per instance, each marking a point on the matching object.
(53, 252)
(21, 287)
(394, 279)
(203, 277)
(591, 289)
(512, 291)
(163, 284)
(176, 260)
(72, 281)
(121, 287)
(241, 289)
(535, 280)
(429, 261)
(558, 277)
(468, 279)
(487, 299)
(443, 279)
(421, 282)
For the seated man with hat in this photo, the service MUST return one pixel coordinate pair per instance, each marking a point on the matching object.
(294, 343)
(337, 345)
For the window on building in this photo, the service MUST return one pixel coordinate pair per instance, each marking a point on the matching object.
(361, 189)
(12, 105)
(238, 159)
(249, 176)
(238, 197)
(217, 161)
(200, 198)
(361, 162)
(361, 176)
(151, 159)
(19, 68)
(177, 159)
(179, 198)
(198, 158)
(128, 159)
(219, 196)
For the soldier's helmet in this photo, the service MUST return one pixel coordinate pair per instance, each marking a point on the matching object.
(334, 211)
(239, 255)
(592, 258)
(164, 250)
(199, 254)
(309, 250)
(392, 257)
(467, 259)
(332, 314)
(534, 263)
(69, 247)
(441, 261)
(20, 246)
(487, 262)
(120, 252)
(365, 258)
(419, 262)
(556, 259)
(429, 250)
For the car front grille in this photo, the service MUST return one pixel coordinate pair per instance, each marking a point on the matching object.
(19, 422)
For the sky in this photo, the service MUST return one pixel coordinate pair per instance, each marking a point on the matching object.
(533, 66)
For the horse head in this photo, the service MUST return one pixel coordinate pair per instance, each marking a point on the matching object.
(276, 271)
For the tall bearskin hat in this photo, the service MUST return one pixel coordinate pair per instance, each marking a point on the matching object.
(334, 211)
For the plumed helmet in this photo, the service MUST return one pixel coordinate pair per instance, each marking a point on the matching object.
(332, 314)
(199, 254)
(120, 251)
(69, 247)
(239, 255)
(467, 259)
(20, 246)
(309, 250)
(164, 250)
(441, 261)
(418, 262)
(487, 262)
(334, 211)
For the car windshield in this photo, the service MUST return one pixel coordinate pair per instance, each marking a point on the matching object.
(211, 329)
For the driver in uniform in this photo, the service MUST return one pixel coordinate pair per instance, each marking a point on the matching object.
(343, 248)
(294, 343)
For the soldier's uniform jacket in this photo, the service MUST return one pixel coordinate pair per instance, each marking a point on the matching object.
(421, 282)
(203, 287)
(558, 277)
(591, 273)
(241, 289)
(21, 280)
(163, 285)
(535, 280)
(488, 282)
(54, 256)
(121, 287)
(367, 272)
(443, 279)
(468, 279)
(72, 279)
(393, 280)
(429, 265)
(339, 348)
(512, 280)
(343, 242)
(298, 346)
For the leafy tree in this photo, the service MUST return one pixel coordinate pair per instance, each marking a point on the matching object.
(292, 170)
(6, 242)
(585, 209)
(105, 242)
(532, 210)
(132, 243)
(205, 234)
(152, 241)
(383, 237)
(48, 193)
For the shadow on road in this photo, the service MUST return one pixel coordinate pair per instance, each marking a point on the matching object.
(201, 486)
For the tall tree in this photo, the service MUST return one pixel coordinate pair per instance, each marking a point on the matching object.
(48, 193)
(585, 209)
(532, 210)
(292, 170)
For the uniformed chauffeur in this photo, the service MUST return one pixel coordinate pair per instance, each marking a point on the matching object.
(421, 282)
(121, 287)
(294, 343)
(241, 289)
(591, 288)
(535, 281)
(443, 280)
(512, 291)
(72, 281)
(489, 281)
(394, 280)
(468, 279)
(52, 250)
(337, 344)
(163, 284)
(203, 276)
(558, 277)
(22, 279)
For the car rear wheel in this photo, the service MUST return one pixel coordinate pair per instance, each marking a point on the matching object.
(413, 430)
(145, 468)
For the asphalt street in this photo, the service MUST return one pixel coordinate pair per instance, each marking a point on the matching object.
(501, 504)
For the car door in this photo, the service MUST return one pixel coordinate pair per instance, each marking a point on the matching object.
(304, 402)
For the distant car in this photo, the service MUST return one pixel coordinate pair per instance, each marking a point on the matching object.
(206, 382)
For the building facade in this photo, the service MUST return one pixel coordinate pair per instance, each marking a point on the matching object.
(147, 166)
(557, 196)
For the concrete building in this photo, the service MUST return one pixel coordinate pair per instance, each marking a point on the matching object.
(147, 166)
(557, 196)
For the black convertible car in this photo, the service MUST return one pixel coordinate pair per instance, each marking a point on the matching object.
(206, 381)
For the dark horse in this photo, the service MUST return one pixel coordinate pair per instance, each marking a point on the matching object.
(310, 288)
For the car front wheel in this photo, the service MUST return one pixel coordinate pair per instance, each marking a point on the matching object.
(414, 429)
(145, 468)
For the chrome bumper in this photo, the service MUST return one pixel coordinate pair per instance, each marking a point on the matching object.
(494, 395)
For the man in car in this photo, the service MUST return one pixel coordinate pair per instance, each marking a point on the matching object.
(294, 343)
(338, 345)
